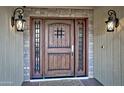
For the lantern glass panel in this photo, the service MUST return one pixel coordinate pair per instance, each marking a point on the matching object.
(20, 25)
(110, 26)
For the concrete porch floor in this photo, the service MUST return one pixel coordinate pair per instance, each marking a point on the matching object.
(80, 82)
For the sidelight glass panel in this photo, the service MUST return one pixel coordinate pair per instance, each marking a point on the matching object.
(37, 47)
(80, 47)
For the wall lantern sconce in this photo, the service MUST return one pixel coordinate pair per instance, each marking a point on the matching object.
(17, 19)
(113, 21)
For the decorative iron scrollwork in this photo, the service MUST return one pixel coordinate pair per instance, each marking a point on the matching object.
(59, 33)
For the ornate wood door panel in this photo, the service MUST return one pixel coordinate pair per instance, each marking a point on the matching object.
(59, 43)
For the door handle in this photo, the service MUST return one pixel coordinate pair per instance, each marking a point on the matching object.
(72, 50)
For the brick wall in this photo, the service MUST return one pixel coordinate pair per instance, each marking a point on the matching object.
(56, 12)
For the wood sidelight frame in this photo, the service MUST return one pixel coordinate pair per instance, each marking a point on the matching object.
(32, 51)
(42, 45)
(83, 23)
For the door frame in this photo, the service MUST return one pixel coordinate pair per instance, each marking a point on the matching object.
(43, 39)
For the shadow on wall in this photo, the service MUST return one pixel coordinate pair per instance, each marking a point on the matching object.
(110, 36)
(121, 25)
(115, 36)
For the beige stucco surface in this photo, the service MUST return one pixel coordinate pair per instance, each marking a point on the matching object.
(108, 61)
(11, 51)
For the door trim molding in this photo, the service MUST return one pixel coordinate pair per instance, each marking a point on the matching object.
(43, 38)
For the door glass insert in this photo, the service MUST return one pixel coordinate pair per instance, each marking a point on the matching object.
(59, 36)
(59, 33)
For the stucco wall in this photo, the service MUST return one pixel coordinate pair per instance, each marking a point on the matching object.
(108, 61)
(11, 50)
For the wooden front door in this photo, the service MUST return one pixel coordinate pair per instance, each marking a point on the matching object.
(59, 48)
